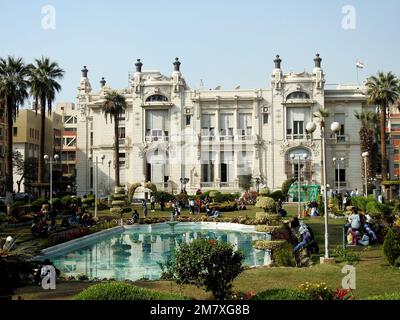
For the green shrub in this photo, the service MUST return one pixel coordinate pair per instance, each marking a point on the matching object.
(88, 202)
(56, 203)
(225, 197)
(283, 256)
(360, 202)
(266, 203)
(210, 264)
(386, 296)
(224, 207)
(212, 194)
(281, 294)
(163, 196)
(391, 246)
(15, 270)
(278, 194)
(124, 291)
(268, 244)
(346, 255)
(66, 201)
(37, 204)
(76, 200)
(264, 192)
(286, 186)
(16, 205)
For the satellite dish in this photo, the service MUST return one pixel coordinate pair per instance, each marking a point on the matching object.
(237, 88)
(218, 88)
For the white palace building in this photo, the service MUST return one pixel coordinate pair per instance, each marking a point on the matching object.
(211, 137)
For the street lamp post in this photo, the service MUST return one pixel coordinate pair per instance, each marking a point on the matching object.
(310, 129)
(96, 179)
(51, 161)
(298, 158)
(365, 156)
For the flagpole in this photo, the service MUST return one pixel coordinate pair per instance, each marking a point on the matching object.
(358, 81)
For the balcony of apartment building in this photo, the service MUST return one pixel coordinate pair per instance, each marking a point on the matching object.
(229, 129)
(157, 125)
(157, 135)
(68, 157)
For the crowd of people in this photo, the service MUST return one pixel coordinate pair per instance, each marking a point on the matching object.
(359, 229)
(78, 216)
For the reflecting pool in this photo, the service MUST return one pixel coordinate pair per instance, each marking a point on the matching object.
(136, 253)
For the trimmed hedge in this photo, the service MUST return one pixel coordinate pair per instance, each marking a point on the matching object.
(124, 291)
(386, 296)
(281, 294)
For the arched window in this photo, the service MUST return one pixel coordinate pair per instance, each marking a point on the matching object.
(157, 98)
(298, 95)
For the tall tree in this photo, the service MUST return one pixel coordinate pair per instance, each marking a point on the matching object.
(114, 106)
(14, 91)
(43, 77)
(383, 91)
(25, 168)
(367, 134)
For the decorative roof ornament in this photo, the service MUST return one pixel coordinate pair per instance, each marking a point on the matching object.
(177, 64)
(277, 62)
(138, 66)
(317, 61)
(84, 72)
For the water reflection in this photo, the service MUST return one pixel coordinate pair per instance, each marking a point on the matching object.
(135, 254)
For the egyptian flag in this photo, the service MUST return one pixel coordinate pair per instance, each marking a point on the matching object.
(360, 64)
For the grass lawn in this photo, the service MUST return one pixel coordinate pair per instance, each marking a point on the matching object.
(373, 274)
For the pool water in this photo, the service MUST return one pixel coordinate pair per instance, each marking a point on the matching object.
(136, 253)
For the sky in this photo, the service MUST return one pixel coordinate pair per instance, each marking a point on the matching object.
(224, 43)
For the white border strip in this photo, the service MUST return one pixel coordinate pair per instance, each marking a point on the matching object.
(86, 240)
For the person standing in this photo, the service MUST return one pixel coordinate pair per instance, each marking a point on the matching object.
(152, 202)
(340, 201)
(191, 206)
(198, 205)
(144, 207)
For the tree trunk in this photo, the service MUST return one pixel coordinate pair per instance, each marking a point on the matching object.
(116, 150)
(41, 142)
(9, 166)
(19, 183)
(383, 142)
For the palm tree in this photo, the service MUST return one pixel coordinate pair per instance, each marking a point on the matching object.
(13, 92)
(114, 106)
(383, 91)
(367, 134)
(43, 76)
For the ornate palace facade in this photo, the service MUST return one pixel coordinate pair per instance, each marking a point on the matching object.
(211, 137)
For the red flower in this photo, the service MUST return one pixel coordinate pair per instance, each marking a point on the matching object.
(212, 242)
(250, 295)
(341, 294)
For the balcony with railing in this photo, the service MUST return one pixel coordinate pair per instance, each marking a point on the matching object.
(244, 134)
(207, 134)
(157, 135)
(226, 135)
